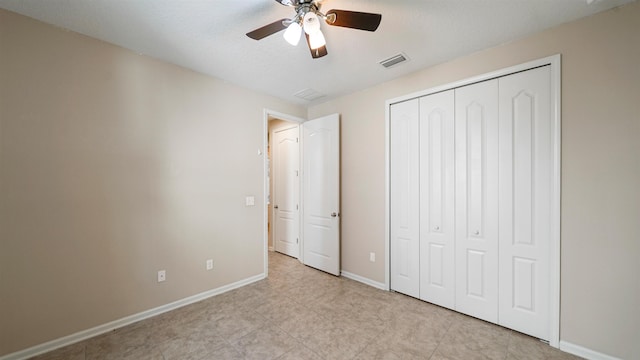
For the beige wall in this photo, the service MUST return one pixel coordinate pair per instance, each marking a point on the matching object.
(112, 167)
(600, 169)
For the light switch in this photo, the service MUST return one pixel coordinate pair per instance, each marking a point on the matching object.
(250, 201)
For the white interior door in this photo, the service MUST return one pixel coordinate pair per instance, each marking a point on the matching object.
(477, 200)
(526, 168)
(437, 237)
(321, 193)
(405, 198)
(286, 193)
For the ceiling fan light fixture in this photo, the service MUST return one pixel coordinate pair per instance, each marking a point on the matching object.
(292, 34)
(311, 23)
(308, 19)
(317, 40)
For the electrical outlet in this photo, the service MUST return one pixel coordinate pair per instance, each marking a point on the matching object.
(372, 257)
(162, 275)
(210, 264)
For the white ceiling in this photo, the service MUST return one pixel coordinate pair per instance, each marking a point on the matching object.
(208, 36)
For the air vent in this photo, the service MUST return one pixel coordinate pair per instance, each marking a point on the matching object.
(308, 94)
(394, 60)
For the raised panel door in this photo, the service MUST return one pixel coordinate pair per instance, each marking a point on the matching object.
(404, 198)
(321, 193)
(476, 166)
(286, 191)
(437, 241)
(525, 201)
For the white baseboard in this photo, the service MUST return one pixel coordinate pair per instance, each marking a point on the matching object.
(584, 352)
(101, 329)
(361, 279)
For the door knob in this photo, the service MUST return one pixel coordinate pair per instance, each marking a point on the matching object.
(333, 214)
(275, 206)
(477, 232)
(436, 228)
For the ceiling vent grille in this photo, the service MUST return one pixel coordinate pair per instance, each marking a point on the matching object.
(394, 60)
(308, 94)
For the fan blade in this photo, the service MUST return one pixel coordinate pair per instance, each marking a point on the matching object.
(267, 30)
(354, 19)
(316, 53)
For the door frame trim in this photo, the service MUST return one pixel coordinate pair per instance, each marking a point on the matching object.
(554, 258)
(266, 114)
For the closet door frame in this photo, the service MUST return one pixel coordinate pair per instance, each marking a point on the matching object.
(554, 257)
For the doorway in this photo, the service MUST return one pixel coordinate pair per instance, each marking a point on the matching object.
(282, 194)
(316, 174)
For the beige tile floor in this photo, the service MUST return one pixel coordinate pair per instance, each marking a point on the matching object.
(301, 313)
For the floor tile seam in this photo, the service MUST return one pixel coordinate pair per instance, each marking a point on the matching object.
(283, 330)
(232, 343)
(340, 313)
(315, 311)
(369, 343)
(259, 327)
(229, 344)
(298, 339)
(167, 340)
(164, 356)
(84, 349)
(271, 326)
(304, 341)
(435, 350)
(310, 349)
(509, 336)
(288, 348)
(509, 344)
(440, 341)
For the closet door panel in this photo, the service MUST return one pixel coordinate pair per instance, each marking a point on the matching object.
(525, 201)
(437, 257)
(405, 206)
(476, 167)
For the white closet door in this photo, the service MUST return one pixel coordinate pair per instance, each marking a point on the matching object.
(437, 241)
(525, 201)
(405, 232)
(477, 200)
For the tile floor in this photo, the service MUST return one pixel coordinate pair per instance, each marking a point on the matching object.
(301, 313)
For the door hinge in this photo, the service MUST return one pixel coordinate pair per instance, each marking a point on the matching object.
(297, 173)
(296, 206)
(297, 140)
(297, 240)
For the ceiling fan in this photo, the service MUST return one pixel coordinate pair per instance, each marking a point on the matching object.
(307, 20)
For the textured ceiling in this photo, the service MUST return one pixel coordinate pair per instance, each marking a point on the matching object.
(208, 36)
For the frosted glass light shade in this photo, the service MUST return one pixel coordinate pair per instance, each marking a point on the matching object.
(311, 23)
(292, 34)
(316, 40)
